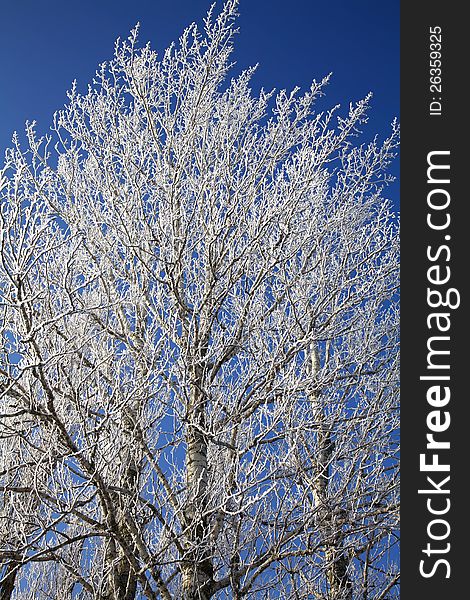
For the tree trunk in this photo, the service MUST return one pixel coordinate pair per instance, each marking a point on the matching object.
(8, 577)
(198, 570)
(339, 583)
(123, 580)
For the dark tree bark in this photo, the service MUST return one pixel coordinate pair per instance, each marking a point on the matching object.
(8, 572)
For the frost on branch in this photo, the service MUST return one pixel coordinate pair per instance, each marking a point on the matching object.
(198, 378)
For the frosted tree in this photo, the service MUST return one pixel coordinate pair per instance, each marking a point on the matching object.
(198, 373)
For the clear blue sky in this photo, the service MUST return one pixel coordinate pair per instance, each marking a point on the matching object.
(46, 44)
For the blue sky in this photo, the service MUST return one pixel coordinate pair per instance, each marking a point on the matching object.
(45, 45)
